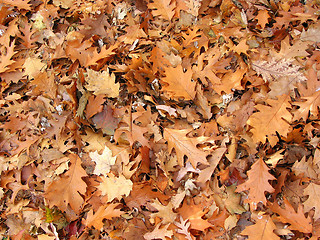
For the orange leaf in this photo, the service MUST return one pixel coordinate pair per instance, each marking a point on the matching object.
(262, 230)
(257, 184)
(180, 83)
(288, 215)
(185, 146)
(163, 8)
(104, 212)
(68, 188)
(271, 119)
(262, 18)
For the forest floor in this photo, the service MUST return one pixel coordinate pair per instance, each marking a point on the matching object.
(163, 119)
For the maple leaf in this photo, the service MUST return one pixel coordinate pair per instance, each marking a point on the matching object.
(313, 190)
(163, 8)
(103, 161)
(278, 68)
(102, 83)
(68, 188)
(262, 230)
(103, 212)
(115, 187)
(180, 83)
(271, 119)
(185, 146)
(288, 215)
(257, 184)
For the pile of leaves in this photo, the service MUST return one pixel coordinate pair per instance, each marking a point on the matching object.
(159, 119)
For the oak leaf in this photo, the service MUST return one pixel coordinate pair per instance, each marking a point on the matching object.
(103, 161)
(33, 66)
(102, 83)
(257, 184)
(105, 120)
(278, 68)
(68, 189)
(271, 119)
(159, 233)
(262, 230)
(312, 34)
(164, 212)
(163, 8)
(288, 215)
(94, 105)
(313, 190)
(21, 4)
(194, 214)
(115, 187)
(262, 18)
(183, 226)
(6, 56)
(103, 212)
(310, 105)
(179, 83)
(185, 146)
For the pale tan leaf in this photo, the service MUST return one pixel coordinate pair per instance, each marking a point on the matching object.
(313, 190)
(115, 187)
(159, 233)
(102, 83)
(103, 161)
(274, 69)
